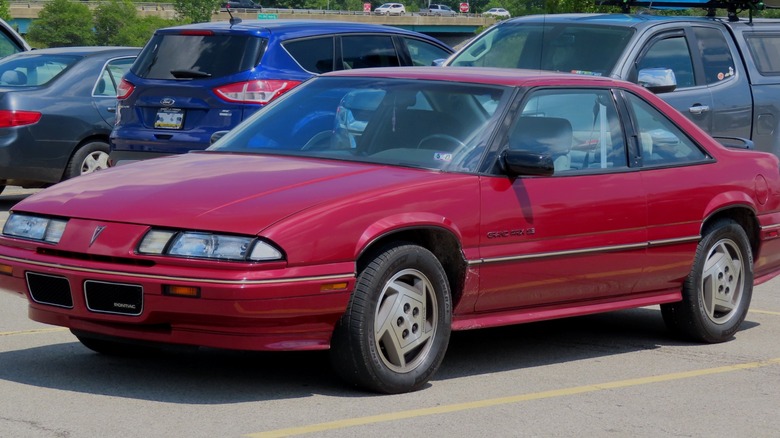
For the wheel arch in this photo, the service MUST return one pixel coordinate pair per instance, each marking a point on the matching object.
(443, 243)
(743, 215)
(86, 140)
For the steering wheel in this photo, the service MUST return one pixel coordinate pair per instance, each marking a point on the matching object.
(451, 143)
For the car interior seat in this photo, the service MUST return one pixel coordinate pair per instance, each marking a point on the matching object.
(13, 77)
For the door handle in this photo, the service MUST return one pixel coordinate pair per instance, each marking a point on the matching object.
(698, 109)
(111, 109)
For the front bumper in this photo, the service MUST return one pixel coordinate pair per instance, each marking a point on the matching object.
(260, 309)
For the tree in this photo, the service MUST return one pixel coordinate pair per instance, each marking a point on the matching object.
(62, 23)
(5, 10)
(110, 18)
(196, 11)
(137, 33)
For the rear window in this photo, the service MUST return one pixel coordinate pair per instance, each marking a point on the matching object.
(175, 56)
(33, 70)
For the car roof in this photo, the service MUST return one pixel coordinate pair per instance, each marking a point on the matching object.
(292, 26)
(627, 20)
(83, 51)
(483, 75)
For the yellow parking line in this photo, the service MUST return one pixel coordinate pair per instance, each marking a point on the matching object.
(393, 416)
(33, 332)
(765, 312)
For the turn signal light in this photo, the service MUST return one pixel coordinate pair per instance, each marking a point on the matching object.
(333, 286)
(257, 91)
(7, 270)
(182, 291)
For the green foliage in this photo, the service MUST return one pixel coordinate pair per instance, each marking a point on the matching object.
(196, 11)
(110, 18)
(62, 23)
(137, 33)
(5, 10)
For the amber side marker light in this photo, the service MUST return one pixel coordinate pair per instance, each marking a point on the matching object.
(182, 291)
(333, 286)
(7, 270)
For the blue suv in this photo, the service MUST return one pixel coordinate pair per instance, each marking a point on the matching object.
(192, 81)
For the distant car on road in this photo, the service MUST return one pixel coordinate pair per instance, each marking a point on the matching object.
(372, 212)
(438, 10)
(57, 110)
(192, 81)
(498, 13)
(241, 4)
(390, 9)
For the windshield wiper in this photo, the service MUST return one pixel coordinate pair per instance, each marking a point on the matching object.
(189, 74)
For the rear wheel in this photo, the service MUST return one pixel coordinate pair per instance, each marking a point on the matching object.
(717, 292)
(395, 331)
(89, 158)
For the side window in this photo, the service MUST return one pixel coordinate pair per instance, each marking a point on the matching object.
(315, 55)
(423, 52)
(662, 143)
(715, 54)
(765, 51)
(111, 75)
(553, 122)
(364, 51)
(672, 53)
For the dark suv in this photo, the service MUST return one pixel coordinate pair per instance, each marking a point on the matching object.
(192, 81)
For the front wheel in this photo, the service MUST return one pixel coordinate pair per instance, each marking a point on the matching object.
(717, 292)
(394, 334)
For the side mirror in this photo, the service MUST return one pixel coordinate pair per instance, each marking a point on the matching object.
(216, 136)
(736, 142)
(525, 163)
(657, 80)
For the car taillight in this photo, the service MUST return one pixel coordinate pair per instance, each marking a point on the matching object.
(258, 91)
(10, 118)
(124, 89)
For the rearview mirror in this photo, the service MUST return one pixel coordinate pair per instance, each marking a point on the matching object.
(525, 163)
(657, 80)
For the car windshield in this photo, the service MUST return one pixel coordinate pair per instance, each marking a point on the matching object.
(404, 122)
(565, 47)
(197, 56)
(33, 70)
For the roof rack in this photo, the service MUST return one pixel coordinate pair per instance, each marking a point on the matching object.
(733, 7)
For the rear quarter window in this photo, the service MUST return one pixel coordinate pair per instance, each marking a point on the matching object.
(765, 51)
(212, 56)
(315, 55)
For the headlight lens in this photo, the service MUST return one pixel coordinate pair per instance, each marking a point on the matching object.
(208, 246)
(35, 227)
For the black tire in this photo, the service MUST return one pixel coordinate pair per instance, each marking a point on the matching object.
(88, 158)
(717, 292)
(110, 347)
(396, 329)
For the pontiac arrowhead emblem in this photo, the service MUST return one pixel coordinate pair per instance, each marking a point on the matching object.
(99, 229)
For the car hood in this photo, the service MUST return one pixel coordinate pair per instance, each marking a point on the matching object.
(226, 192)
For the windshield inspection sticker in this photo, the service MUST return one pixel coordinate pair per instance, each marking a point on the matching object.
(442, 156)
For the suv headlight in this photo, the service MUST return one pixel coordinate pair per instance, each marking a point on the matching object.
(31, 227)
(199, 244)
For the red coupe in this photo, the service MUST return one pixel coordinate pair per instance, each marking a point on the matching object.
(371, 212)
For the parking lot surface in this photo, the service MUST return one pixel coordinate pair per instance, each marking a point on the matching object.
(618, 374)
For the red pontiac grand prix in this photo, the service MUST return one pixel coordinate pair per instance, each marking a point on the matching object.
(372, 212)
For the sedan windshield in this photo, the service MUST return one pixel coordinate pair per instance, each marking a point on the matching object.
(569, 47)
(427, 124)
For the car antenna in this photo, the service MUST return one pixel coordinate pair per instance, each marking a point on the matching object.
(233, 20)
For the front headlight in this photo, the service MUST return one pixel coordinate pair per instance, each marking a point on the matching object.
(204, 245)
(31, 227)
